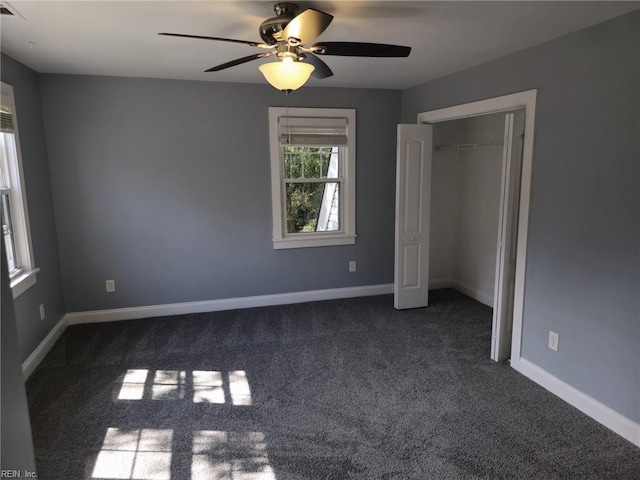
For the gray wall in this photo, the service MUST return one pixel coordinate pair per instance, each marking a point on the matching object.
(48, 289)
(583, 253)
(164, 187)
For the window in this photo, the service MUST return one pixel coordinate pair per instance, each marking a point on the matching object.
(15, 219)
(313, 160)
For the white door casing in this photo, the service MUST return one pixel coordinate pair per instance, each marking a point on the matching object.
(413, 204)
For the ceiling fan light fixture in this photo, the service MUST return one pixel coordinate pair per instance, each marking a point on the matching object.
(286, 74)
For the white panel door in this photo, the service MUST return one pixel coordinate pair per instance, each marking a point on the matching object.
(507, 237)
(413, 199)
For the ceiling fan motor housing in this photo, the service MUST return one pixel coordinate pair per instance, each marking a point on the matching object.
(271, 28)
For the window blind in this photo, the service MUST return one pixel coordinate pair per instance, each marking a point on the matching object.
(312, 131)
(6, 120)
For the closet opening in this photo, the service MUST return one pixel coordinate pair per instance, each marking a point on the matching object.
(475, 182)
(463, 183)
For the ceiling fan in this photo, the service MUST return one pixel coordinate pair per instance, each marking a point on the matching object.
(287, 38)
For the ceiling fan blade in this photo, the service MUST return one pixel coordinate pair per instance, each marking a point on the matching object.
(307, 25)
(322, 70)
(245, 42)
(238, 61)
(360, 49)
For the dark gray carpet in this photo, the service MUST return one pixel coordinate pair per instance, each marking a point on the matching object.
(347, 389)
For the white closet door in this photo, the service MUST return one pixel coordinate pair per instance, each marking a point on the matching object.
(507, 238)
(413, 202)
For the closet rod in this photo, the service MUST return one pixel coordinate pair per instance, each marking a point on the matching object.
(465, 146)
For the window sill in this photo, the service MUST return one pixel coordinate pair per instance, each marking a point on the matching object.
(304, 241)
(21, 283)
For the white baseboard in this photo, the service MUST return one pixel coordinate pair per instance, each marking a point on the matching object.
(41, 350)
(611, 419)
(482, 297)
(439, 283)
(436, 284)
(98, 316)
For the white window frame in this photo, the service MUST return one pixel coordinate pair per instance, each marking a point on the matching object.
(25, 277)
(347, 233)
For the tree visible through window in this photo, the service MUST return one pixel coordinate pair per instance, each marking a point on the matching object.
(312, 188)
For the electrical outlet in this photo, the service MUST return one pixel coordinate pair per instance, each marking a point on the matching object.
(42, 311)
(111, 286)
(554, 338)
(352, 266)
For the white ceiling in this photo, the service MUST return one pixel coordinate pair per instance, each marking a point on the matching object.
(119, 38)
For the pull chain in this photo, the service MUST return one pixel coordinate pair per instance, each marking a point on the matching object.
(286, 114)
